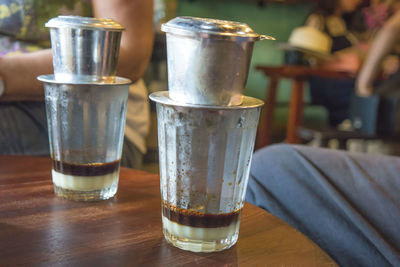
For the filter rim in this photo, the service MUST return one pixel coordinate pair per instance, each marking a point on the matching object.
(162, 97)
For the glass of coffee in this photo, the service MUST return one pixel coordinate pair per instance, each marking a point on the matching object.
(85, 107)
(86, 131)
(205, 153)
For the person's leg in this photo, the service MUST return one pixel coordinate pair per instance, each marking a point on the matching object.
(334, 95)
(349, 204)
(318, 90)
(339, 97)
(132, 157)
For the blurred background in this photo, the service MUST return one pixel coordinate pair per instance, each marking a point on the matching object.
(277, 18)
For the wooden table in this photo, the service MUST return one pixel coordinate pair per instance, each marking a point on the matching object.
(298, 75)
(36, 227)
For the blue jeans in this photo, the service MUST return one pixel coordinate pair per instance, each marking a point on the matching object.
(334, 95)
(349, 204)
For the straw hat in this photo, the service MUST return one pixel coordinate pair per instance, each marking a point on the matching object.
(309, 40)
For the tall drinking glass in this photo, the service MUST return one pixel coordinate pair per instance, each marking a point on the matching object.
(205, 154)
(86, 129)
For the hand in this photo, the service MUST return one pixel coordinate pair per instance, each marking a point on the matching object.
(347, 61)
(364, 91)
(390, 65)
(363, 87)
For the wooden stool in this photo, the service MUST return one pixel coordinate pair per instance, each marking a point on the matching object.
(298, 75)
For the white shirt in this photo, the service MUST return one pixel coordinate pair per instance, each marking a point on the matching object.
(138, 115)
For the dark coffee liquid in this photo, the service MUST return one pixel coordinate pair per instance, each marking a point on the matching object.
(90, 169)
(199, 219)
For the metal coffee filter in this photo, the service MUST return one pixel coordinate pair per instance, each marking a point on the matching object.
(85, 48)
(208, 60)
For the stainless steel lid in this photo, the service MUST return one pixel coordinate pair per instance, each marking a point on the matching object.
(84, 23)
(208, 28)
(163, 98)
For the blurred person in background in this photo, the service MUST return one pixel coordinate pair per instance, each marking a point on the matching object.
(329, 17)
(24, 43)
(383, 61)
(383, 57)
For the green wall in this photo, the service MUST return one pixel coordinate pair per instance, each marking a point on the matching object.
(273, 19)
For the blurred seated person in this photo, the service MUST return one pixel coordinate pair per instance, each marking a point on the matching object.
(335, 95)
(328, 17)
(24, 43)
